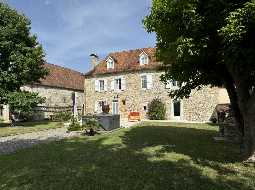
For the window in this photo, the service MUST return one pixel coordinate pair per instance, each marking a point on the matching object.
(175, 84)
(144, 81)
(101, 85)
(110, 63)
(144, 59)
(170, 84)
(118, 83)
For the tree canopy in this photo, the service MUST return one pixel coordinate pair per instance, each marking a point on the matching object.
(209, 43)
(24, 102)
(21, 56)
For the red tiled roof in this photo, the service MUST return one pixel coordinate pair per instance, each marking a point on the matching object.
(63, 78)
(126, 61)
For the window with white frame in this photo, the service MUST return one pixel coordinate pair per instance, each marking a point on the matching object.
(171, 84)
(118, 84)
(101, 85)
(144, 59)
(110, 63)
(146, 81)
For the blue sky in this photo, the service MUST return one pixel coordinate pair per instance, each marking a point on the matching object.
(70, 30)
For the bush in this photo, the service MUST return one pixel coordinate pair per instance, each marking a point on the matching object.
(75, 125)
(91, 125)
(156, 110)
(62, 116)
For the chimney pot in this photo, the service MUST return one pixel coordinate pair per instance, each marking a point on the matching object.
(94, 60)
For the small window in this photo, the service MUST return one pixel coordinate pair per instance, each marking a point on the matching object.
(144, 59)
(145, 108)
(172, 84)
(118, 84)
(176, 84)
(110, 63)
(144, 82)
(101, 85)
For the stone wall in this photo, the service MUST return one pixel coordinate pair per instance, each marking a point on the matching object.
(57, 99)
(199, 107)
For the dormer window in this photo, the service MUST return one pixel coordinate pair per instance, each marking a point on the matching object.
(110, 63)
(144, 59)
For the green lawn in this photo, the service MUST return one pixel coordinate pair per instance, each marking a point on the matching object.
(26, 127)
(161, 157)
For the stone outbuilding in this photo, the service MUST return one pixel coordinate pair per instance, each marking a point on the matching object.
(62, 88)
(128, 81)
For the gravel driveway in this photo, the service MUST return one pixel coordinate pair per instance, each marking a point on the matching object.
(11, 144)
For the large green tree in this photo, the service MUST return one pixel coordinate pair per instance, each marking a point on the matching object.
(210, 43)
(23, 103)
(21, 56)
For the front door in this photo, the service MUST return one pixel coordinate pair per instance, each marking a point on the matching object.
(115, 107)
(176, 109)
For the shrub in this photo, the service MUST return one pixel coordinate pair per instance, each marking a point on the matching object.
(91, 125)
(156, 110)
(62, 116)
(75, 125)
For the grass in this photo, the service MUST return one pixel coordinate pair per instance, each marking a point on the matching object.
(26, 127)
(157, 156)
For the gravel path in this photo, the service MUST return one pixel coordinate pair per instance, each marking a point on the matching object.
(11, 144)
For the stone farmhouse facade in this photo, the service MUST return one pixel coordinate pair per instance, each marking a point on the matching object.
(62, 88)
(128, 81)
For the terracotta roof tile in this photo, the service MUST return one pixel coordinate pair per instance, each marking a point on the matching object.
(126, 61)
(62, 77)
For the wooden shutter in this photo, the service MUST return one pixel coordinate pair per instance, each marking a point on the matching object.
(105, 85)
(123, 83)
(97, 85)
(149, 81)
(112, 84)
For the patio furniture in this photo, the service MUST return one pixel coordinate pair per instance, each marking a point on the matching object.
(134, 116)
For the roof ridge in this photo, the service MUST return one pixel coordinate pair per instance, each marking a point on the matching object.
(130, 50)
(65, 68)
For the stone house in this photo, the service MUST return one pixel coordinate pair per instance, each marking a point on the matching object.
(128, 81)
(63, 88)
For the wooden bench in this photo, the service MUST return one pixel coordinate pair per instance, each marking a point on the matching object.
(134, 116)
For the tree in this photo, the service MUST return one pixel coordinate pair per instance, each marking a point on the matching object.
(21, 56)
(23, 103)
(210, 43)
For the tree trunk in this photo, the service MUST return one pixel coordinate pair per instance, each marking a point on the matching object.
(249, 137)
(234, 106)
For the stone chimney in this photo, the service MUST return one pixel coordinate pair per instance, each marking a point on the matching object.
(94, 60)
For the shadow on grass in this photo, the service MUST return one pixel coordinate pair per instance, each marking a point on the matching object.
(139, 158)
